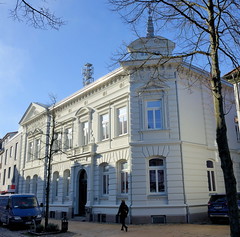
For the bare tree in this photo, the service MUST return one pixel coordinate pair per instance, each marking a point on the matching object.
(211, 29)
(39, 17)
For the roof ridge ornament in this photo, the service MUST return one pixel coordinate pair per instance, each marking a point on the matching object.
(150, 28)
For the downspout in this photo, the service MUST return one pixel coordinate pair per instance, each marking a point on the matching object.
(181, 156)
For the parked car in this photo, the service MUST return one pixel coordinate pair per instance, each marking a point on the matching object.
(218, 208)
(18, 209)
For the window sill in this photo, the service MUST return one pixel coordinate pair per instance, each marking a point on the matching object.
(155, 130)
(156, 196)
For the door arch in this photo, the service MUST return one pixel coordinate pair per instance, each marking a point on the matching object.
(82, 192)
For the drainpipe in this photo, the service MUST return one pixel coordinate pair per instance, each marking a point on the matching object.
(181, 155)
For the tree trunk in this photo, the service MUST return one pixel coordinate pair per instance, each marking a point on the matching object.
(221, 130)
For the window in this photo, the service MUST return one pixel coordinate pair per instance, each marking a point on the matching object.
(11, 151)
(237, 132)
(68, 138)
(37, 148)
(211, 176)
(6, 155)
(34, 184)
(14, 173)
(124, 177)
(105, 179)
(55, 184)
(154, 114)
(57, 143)
(4, 176)
(122, 120)
(156, 175)
(27, 187)
(66, 183)
(16, 150)
(105, 126)
(30, 150)
(9, 172)
(85, 133)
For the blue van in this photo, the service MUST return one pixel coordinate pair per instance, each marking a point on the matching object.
(18, 209)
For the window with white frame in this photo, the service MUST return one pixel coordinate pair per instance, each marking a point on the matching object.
(27, 184)
(6, 156)
(57, 143)
(105, 179)
(104, 126)
(11, 152)
(30, 151)
(211, 176)
(154, 114)
(66, 183)
(122, 120)
(16, 151)
(34, 184)
(156, 176)
(55, 184)
(37, 148)
(85, 133)
(123, 177)
(68, 138)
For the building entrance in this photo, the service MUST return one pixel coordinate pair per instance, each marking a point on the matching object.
(82, 193)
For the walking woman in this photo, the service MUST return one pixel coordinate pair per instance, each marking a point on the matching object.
(123, 212)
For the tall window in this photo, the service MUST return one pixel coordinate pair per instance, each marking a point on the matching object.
(57, 143)
(37, 148)
(105, 126)
(154, 114)
(105, 179)
(85, 133)
(4, 176)
(211, 176)
(9, 172)
(68, 138)
(55, 184)
(35, 184)
(30, 151)
(11, 152)
(6, 156)
(124, 177)
(27, 187)
(16, 150)
(122, 120)
(14, 173)
(66, 183)
(156, 176)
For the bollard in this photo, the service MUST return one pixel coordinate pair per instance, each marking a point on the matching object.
(64, 225)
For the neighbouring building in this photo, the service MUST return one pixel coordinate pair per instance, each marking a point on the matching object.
(144, 133)
(9, 162)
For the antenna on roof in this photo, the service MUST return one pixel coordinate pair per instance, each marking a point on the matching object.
(87, 73)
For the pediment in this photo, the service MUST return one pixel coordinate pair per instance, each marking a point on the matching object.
(153, 85)
(32, 111)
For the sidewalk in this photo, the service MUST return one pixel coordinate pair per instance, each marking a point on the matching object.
(90, 229)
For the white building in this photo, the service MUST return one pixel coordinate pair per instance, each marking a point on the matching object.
(141, 133)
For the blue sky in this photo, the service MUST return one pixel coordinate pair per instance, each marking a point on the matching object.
(36, 63)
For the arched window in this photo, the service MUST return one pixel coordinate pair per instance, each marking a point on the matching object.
(34, 184)
(211, 176)
(123, 177)
(105, 179)
(66, 183)
(27, 186)
(157, 175)
(55, 184)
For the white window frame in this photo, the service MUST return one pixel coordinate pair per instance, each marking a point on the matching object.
(68, 141)
(122, 120)
(35, 184)
(211, 177)
(57, 146)
(30, 151)
(66, 183)
(85, 132)
(55, 185)
(28, 184)
(37, 148)
(157, 175)
(123, 177)
(105, 126)
(154, 110)
(105, 179)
